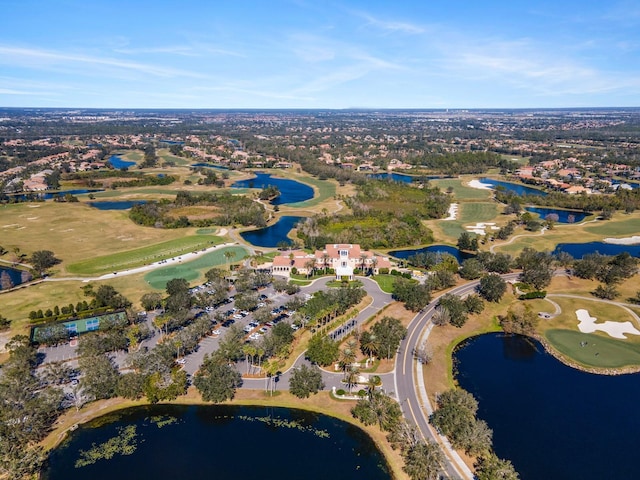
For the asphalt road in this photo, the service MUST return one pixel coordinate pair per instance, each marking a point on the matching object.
(410, 393)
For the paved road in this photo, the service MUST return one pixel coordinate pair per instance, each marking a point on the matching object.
(410, 387)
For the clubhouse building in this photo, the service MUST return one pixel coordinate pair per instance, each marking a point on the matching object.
(343, 259)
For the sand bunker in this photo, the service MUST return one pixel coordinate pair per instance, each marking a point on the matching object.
(479, 185)
(453, 212)
(481, 228)
(623, 241)
(587, 324)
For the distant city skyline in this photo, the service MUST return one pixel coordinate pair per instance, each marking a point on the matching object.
(314, 54)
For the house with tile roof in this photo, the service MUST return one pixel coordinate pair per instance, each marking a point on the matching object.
(343, 259)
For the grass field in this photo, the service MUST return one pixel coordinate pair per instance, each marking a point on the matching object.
(620, 225)
(460, 190)
(142, 256)
(468, 214)
(385, 281)
(600, 352)
(76, 232)
(323, 190)
(192, 270)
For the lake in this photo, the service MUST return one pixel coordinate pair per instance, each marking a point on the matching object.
(221, 442)
(516, 188)
(50, 195)
(290, 190)
(551, 421)
(578, 250)
(14, 274)
(118, 162)
(564, 216)
(208, 165)
(117, 204)
(404, 254)
(401, 177)
(272, 235)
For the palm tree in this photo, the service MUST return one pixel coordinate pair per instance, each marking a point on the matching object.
(325, 261)
(363, 259)
(351, 377)
(249, 352)
(348, 357)
(369, 344)
(310, 265)
(228, 255)
(374, 264)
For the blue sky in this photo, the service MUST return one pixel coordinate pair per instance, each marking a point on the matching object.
(319, 54)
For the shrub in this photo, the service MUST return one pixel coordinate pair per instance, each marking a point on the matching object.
(532, 295)
(340, 392)
(383, 271)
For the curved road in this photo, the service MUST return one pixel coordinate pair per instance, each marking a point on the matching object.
(410, 384)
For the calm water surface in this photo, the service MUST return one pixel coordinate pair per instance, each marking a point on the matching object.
(578, 250)
(118, 162)
(271, 236)
(564, 216)
(404, 254)
(14, 275)
(223, 443)
(551, 421)
(513, 187)
(290, 190)
(116, 205)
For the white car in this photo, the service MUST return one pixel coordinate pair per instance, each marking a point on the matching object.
(181, 361)
(216, 332)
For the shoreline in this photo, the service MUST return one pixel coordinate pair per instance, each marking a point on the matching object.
(101, 408)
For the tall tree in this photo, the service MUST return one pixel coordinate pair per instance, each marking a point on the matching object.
(216, 380)
(305, 381)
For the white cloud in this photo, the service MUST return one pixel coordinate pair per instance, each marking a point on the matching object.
(41, 59)
(390, 25)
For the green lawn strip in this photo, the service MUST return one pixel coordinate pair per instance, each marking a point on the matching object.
(142, 256)
(598, 351)
(613, 228)
(385, 282)
(166, 156)
(461, 191)
(302, 283)
(325, 189)
(192, 270)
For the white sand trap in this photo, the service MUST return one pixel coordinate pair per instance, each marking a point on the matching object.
(479, 185)
(587, 324)
(453, 212)
(480, 228)
(623, 241)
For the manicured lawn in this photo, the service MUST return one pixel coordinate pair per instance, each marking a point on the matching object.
(142, 256)
(468, 213)
(323, 190)
(386, 282)
(192, 270)
(461, 191)
(621, 225)
(602, 352)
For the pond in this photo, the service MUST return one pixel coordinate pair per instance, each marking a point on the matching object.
(578, 250)
(117, 204)
(551, 421)
(401, 177)
(221, 442)
(13, 276)
(290, 190)
(118, 162)
(404, 254)
(272, 235)
(513, 187)
(564, 216)
(208, 165)
(50, 195)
